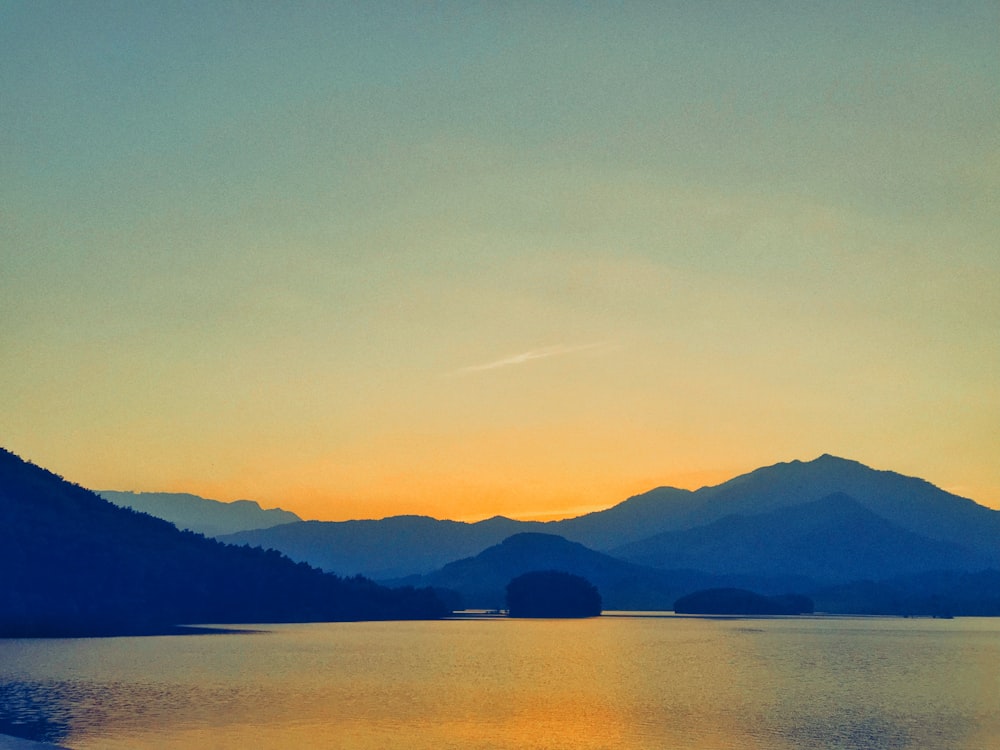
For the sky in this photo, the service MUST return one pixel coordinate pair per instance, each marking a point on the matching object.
(464, 259)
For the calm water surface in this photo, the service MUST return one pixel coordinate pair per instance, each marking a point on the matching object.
(625, 683)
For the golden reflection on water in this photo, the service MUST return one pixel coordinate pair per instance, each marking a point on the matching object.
(608, 683)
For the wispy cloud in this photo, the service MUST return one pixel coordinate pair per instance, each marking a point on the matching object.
(519, 359)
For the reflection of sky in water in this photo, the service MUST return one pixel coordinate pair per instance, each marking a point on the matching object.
(615, 684)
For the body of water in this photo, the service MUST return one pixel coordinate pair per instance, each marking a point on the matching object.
(621, 683)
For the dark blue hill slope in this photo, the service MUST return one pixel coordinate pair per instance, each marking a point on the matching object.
(74, 564)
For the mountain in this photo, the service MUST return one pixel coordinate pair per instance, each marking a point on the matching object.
(636, 518)
(481, 582)
(389, 548)
(834, 539)
(205, 516)
(910, 503)
(482, 579)
(74, 564)
(921, 522)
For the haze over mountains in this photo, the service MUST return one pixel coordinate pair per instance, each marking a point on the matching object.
(853, 538)
(199, 514)
(389, 548)
(834, 517)
(820, 526)
(481, 580)
(832, 539)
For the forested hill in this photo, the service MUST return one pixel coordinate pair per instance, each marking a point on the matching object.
(74, 564)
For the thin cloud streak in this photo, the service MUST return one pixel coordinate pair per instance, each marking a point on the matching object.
(519, 359)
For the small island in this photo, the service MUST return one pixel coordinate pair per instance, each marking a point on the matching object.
(552, 593)
(731, 601)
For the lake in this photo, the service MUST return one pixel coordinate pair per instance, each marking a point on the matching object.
(616, 682)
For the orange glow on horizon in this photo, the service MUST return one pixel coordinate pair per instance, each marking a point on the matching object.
(540, 502)
(425, 285)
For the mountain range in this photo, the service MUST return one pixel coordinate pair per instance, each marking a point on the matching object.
(199, 514)
(832, 520)
(389, 548)
(854, 538)
(835, 538)
(481, 580)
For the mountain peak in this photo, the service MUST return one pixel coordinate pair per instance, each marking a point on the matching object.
(828, 459)
(824, 461)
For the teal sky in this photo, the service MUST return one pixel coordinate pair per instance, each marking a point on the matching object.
(358, 259)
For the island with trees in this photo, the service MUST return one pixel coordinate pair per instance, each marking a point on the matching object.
(552, 593)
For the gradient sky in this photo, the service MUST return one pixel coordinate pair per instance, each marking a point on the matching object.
(462, 259)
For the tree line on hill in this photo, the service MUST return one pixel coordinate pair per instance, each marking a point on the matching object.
(74, 564)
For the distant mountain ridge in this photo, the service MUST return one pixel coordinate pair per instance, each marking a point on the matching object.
(885, 524)
(852, 538)
(200, 514)
(833, 539)
(909, 502)
(389, 548)
(481, 579)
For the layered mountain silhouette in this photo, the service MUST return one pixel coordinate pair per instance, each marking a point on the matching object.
(390, 548)
(835, 538)
(912, 504)
(203, 515)
(830, 520)
(480, 580)
(853, 538)
(74, 564)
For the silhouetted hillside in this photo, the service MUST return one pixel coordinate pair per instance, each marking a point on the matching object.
(209, 517)
(631, 520)
(482, 579)
(906, 502)
(390, 548)
(73, 563)
(758, 524)
(834, 539)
